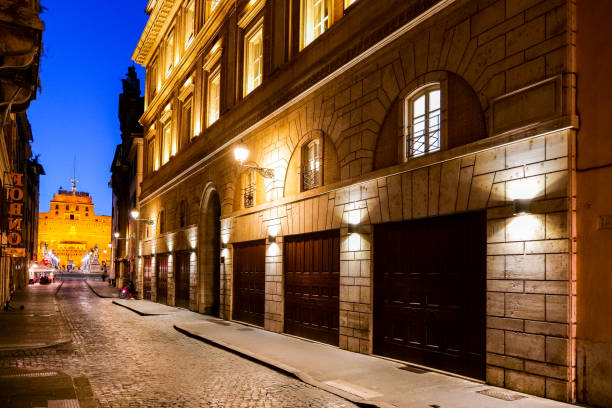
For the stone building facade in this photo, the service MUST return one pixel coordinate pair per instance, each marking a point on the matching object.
(20, 48)
(421, 205)
(126, 176)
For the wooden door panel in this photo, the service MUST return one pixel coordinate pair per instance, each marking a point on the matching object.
(146, 287)
(429, 292)
(249, 282)
(161, 267)
(312, 286)
(181, 277)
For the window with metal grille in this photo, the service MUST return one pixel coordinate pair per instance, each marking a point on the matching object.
(249, 189)
(183, 214)
(422, 131)
(311, 169)
(162, 221)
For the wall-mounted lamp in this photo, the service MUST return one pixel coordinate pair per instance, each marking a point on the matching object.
(353, 229)
(135, 214)
(241, 153)
(521, 206)
(271, 239)
(223, 245)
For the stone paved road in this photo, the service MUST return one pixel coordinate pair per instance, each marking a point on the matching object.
(134, 361)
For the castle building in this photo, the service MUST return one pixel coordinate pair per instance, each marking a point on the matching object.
(399, 178)
(71, 228)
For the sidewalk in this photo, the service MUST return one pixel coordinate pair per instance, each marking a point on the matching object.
(102, 289)
(39, 324)
(145, 307)
(359, 378)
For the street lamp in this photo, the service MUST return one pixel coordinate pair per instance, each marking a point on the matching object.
(135, 213)
(241, 153)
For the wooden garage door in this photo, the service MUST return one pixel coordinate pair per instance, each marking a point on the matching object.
(161, 269)
(429, 292)
(249, 282)
(312, 286)
(146, 284)
(181, 280)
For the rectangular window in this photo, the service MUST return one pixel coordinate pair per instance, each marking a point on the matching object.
(186, 128)
(152, 79)
(213, 99)
(314, 20)
(189, 19)
(253, 58)
(169, 52)
(151, 164)
(212, 5)
(167, 144)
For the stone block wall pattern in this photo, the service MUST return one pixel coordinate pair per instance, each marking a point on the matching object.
(513, 55)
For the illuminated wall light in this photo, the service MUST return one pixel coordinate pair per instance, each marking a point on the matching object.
(354, 218)
(273, 231)
(527, 188)
(521, 206)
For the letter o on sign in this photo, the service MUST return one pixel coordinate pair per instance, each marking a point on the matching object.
(14, 238)
(16, 194)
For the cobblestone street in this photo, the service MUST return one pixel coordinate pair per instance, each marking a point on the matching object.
(134, 361)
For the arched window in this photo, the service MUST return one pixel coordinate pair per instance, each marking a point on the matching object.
(182, 214)
(162, 221)
(250, 189)
(311, 165)
(423, 120)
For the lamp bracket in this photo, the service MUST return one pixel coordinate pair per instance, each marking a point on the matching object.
(264, 172)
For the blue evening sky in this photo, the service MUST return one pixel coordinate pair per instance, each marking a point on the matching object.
(87, 51)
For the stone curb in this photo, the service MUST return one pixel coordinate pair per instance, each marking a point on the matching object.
(96, 293)
(283, 368)
(138, 311)
(58, 288)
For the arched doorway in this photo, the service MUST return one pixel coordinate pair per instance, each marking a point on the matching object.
(209, 249)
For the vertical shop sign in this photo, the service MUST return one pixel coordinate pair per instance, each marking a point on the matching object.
(15, 216)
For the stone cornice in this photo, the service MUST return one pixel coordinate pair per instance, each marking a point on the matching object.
(201, 43)
(149, 38)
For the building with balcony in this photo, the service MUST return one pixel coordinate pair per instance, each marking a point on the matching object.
(392, 178)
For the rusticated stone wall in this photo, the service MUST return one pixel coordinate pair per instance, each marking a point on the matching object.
(513, 55)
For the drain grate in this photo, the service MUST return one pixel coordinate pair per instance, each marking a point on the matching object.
(245, 329)
(29, 375)
(501, 394)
